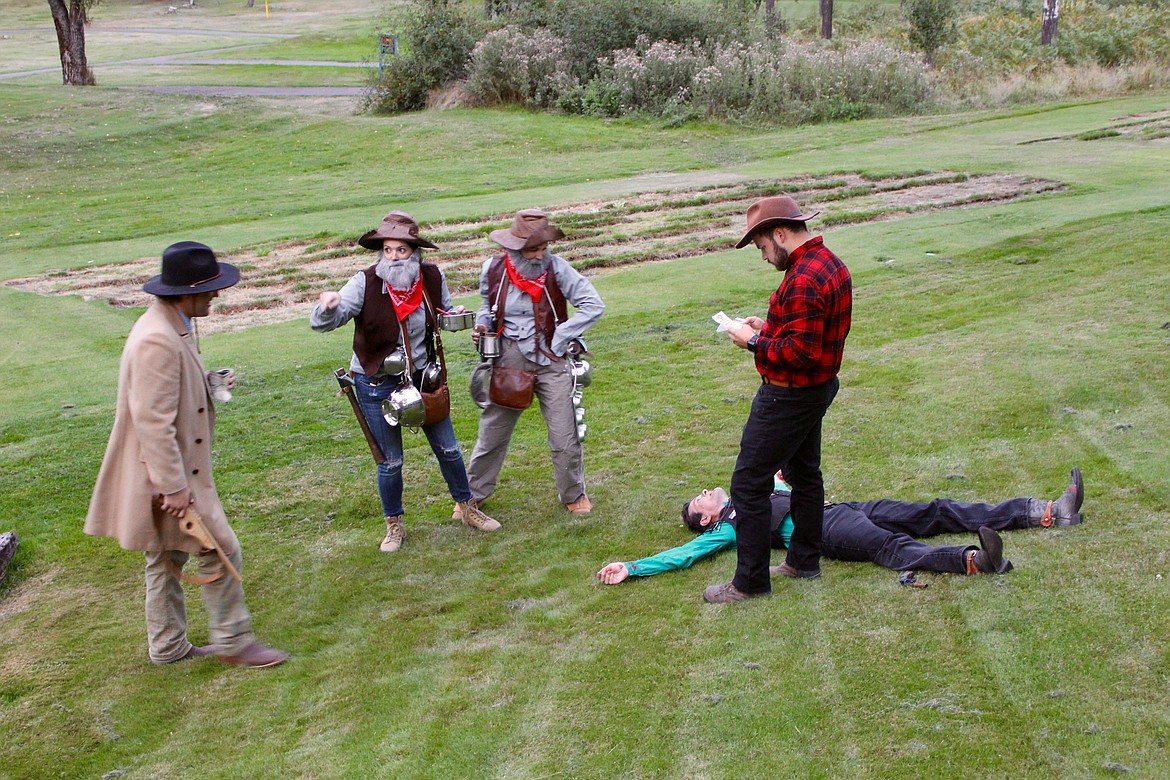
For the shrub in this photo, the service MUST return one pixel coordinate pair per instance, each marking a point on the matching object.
(437, 49)
(932, 24)
(514, 66)
(594, 30)
(651, 78)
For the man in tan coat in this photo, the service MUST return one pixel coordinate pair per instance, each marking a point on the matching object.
(157, 467)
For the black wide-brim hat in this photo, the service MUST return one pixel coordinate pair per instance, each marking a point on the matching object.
(190, 268)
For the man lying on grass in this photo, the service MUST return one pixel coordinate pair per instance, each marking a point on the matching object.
(884, 532)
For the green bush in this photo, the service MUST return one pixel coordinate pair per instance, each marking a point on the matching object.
(515, 66)
(438, 40)
(933, 24)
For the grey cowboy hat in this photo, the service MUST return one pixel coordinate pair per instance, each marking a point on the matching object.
(529, 228)
(190, 268)
(399, 226)
(767, 212)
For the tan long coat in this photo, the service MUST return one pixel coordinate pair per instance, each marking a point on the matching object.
(161, 442)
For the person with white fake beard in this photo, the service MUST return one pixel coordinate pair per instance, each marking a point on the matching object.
(525, 291)
(397, 295)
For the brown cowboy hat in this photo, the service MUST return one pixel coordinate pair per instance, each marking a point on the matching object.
(766, 212)
(397, 225)
(190, 268)
(530, 228)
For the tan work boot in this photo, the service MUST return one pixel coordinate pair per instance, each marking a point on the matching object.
(582, 506)
(395, 534)
(473, 516)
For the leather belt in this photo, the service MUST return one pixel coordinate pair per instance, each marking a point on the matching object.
(779, 382)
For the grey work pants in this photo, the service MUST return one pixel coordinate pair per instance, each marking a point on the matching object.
(554, 390)
(229, 623)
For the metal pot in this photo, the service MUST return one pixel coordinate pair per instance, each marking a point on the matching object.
(395, 362)
(404, 407)
(481, 378)
(432, 375)
(489, 346)
(459, 321)
(582, 372)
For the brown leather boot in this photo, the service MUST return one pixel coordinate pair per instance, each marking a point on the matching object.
(395, 534)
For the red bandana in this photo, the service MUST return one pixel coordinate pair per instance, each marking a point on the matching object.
(534, 287)
(405, 302)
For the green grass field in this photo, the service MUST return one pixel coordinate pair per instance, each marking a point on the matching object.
(993, 348)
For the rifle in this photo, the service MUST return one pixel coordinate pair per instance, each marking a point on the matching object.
(347, 385)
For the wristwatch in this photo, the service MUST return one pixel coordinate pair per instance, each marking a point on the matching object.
(751, 343)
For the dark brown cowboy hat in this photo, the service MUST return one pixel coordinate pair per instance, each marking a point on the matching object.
(190, 268)
(767, 212)
(397, 225)
(530, 228)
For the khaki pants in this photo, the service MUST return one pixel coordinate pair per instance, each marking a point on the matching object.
(229, 623)
(554, 390)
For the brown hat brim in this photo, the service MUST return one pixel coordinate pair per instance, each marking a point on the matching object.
(769, 223)
(509, 240)
(373, 240)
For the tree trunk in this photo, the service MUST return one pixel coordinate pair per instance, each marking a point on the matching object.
(827, 19)
(1048, 22)
(70, 24)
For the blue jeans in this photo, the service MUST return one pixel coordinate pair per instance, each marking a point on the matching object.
(440, 435)
(782, 431)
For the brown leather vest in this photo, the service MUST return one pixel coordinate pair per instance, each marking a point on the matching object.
(548, 311)
(375, 328)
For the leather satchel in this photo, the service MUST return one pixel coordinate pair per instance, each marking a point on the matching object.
(437, 405)
(511, 388)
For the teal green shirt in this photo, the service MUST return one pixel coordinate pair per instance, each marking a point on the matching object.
(721, 537)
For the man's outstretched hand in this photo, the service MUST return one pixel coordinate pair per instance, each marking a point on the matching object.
(613, 573)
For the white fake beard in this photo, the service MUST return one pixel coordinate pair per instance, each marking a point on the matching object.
(399, 274)
(528, 269)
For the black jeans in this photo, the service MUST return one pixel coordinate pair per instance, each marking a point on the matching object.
(782, 431)
(886, 532)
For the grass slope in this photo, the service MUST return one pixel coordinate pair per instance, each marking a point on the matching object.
(993, 348)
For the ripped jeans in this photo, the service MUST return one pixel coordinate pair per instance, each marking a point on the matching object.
(441, 436)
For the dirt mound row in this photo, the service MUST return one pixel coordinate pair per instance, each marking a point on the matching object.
(281, 282)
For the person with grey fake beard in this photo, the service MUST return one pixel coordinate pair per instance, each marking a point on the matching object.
(397, 295)
(525, 291)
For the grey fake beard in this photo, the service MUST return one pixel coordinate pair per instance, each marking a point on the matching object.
(528, 269)
(399, 274)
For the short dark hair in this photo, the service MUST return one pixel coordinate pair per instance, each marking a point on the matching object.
(693, 520)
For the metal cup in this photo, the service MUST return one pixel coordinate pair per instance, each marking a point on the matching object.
(460, 321)
(395, 362)
(581, 429)
(577, 397)
(582, 372)
(404, 407)
(579, 414)
(489, 346)
(431, 374)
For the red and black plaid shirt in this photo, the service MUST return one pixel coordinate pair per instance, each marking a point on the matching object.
(808, 319)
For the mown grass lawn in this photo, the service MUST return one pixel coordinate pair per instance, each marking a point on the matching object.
(993, 348)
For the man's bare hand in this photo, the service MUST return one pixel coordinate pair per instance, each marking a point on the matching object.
(176, 503)
(613, 573)
(330, 300)
(475, 333)
(756, 323)
(741, 333)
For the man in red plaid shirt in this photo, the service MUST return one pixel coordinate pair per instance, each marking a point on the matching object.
(798, 353)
